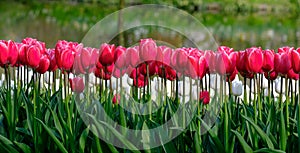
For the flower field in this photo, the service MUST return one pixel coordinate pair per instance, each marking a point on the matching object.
(147, 98)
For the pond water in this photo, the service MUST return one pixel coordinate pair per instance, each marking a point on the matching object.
(51, 22)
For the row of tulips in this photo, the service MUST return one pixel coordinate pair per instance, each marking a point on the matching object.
(265, 121)
(110, 60)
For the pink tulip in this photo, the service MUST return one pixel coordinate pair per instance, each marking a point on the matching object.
(77, 84)
(147, 49)
(120, 57)
(132, 56)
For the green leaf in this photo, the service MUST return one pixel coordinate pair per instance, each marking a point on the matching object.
(49, 131)
(214, 136)
(283, 135)
(244, 144)
(7, 145)
(268, 150)
(25, 148)
(82, 139)
(262, 134)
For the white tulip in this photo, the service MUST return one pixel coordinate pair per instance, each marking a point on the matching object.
(130, 81)
(237, 88)
(278, 86)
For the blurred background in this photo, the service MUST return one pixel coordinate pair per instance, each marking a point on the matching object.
(236, 23)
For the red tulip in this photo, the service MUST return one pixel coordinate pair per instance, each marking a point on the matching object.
(120, 57)
(202, 67)
(77, 84)
(204, 97)
(65, 53)
(21, 50)
(116, 99)
(43, 65)
(255, 59)
(271, 76)
(242, 63)
(8, 52)
(292, 75)
(33, 56)
(3, 53)
(282, 63)
(51, 56)
(226, 62)
(232, 76)
(147, 49)
(106, 57)
(295, 58)
(268, 60)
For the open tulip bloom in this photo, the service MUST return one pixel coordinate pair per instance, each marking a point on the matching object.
(63, 98)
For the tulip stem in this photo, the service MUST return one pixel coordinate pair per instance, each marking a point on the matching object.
(298, 119)
(245, 91)
(287, 103)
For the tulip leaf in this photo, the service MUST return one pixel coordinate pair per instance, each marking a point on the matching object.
(244, 144)
(82, 139)
(52, 135)
(25, 148)
(7, 145)
(262, 134)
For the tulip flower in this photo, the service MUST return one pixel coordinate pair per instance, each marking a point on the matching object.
(132, 55)
(268, 62)
(120, 57)
(43, 65)
(147, 49)
(33, 56)
(237, 88)
(116, 99)
(106, 57)
(295, 58)
(210, 61)
(8, 52)
(255, 59)
(51, 55)
(77, 84)
(292, 75)
(225, 61)
(282, 63)
(204, 97)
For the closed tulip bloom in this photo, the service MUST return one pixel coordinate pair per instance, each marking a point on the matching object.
(106, 57)
(255, 59)
(8, 52)
(43, 65)
(132, 56)
(204, 97)
(3, 53)
(33, 56)
(292, 75)
(202, 67)
(120, 57)
(51, 56)
(77, 85)
(181, 59)
(237, 88)
(295, 58)
(282, 63)
(271, 75)
(225, 63)
(116, 99)
(210, 61)
(268, 60)
(147, 49)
